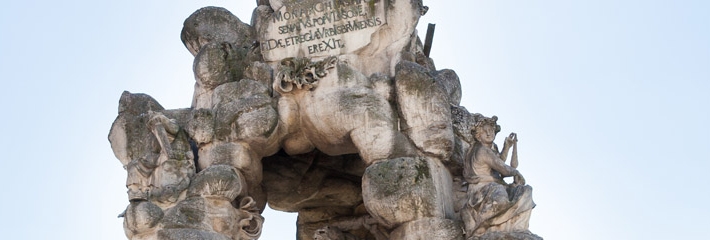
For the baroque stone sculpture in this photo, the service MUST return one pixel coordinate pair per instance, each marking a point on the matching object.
(492, 205)
(328, 108)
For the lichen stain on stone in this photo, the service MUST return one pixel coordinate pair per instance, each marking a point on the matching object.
(385, 103)
(422, 171)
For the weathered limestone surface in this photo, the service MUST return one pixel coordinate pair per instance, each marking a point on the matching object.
(428, 228)
(327, 108)
(215, 24)
(424, 106)
(406, 189)
(515, 235)
(368, 34)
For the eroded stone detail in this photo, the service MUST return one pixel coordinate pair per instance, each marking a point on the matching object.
(302, 73)
(492, 205)
(327, 108)
(153, 148)
(319, 28)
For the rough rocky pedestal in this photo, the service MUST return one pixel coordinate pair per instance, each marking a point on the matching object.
(327, 108)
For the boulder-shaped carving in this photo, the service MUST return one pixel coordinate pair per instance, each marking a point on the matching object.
(260, 72)
(141, 218)
(212, 217)
(516, 235)
(246, 112)
(360, 227)
(217, 181)
(187, 214)
(425, 109)
(333, 233)
(312, 180)
(428, 228)
(406, 189)
(342, 115)
(449, 81)
(383, 53)
(190, 234)
(217, 63)
(214, 24)
(462, 121)
(200, 125)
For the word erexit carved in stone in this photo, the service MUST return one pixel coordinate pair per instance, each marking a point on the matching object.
(319, 28)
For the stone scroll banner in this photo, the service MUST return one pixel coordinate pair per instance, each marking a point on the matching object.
(320, 28)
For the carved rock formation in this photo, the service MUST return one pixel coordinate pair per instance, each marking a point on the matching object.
(327, 108)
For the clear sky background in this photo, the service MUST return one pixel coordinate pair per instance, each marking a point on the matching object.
(610, 99)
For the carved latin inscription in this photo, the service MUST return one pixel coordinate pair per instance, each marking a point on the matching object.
(320, 28)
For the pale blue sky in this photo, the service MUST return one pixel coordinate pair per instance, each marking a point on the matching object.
(609, 98)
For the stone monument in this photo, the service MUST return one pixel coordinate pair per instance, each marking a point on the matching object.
(327, 108)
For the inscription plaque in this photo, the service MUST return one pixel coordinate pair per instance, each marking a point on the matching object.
(320, 28)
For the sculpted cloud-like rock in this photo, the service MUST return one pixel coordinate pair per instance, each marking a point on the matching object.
(327, 108)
